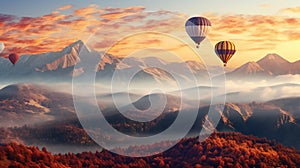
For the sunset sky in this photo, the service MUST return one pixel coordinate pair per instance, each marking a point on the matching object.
(256, 27)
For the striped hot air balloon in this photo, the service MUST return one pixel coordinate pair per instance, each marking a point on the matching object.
(225, 50)
(197, 28)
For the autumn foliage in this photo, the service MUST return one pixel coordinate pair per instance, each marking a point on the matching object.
(219, 150)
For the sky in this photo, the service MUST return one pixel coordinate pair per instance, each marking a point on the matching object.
(257, 27)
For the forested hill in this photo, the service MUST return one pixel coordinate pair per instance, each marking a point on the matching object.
(219, 150)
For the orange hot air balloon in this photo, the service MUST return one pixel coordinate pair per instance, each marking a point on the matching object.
(13, 58)
(225, 50)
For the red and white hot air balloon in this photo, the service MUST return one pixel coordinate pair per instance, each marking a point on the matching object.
(13, 57)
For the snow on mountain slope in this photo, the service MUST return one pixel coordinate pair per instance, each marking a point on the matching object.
(59, 66)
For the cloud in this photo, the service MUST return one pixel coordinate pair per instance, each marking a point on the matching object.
(141, 24)
(88, 11)
(6, 18)
(288, 78)
(281, 87)
(291, 10)
(265, 6)
(66, 7)
(116, 13)
(54, 31)
(254, 31)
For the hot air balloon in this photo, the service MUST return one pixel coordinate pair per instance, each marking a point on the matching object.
(225, 50)
(197, 28)
(13, 58)
(1, 46)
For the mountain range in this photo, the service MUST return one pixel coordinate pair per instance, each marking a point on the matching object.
(269, 66)
(59, 66)
(47, 113)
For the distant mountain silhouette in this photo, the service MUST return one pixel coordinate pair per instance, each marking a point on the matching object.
(59, 66)
(32, 104)
(269, 66)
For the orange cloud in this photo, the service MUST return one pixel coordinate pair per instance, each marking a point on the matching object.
(142, 22)
(88, 11)
(255, 28)
(265, 6)
(291, 10)
(117, 13)
(54, 31)
(254, 35)
(132, 9)
(66, 7)
(51, 32)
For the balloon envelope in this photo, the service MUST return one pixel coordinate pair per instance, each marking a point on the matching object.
(197, 28)
(225, 50)
(13, 58)
(1, 46)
